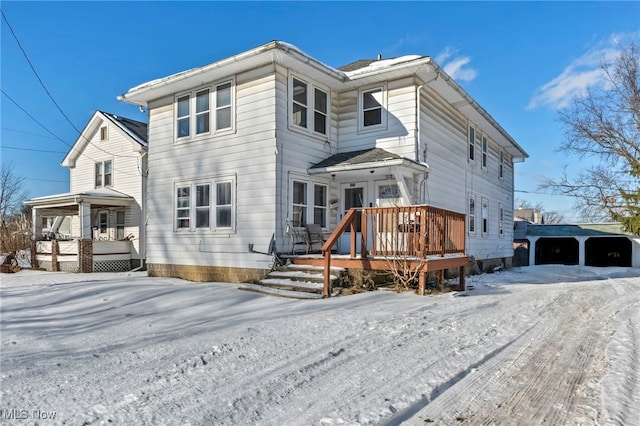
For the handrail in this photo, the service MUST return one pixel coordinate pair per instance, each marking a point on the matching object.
(328, 245)
(416, 230)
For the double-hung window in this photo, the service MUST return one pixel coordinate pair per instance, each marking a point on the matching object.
(309, 107)
(485, 216)
(120, 221)
(485, 152)
(472, 142)
(205, 205)
(299, 203)
(204, 111)
(472, 214)
(501, 165)
(103, 174)
(371, 104)
(320, 205)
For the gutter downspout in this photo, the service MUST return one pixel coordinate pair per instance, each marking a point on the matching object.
(418, 146)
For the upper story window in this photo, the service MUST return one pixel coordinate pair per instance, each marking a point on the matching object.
(485, 152)
(103, 133)
(204, 111)
(103, 174)
(309, 107)
(501, 165)
(371, 104)
(472, 143)
(205, 205)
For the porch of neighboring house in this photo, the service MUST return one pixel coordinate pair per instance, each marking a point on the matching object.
(416, 239)
(95, 240)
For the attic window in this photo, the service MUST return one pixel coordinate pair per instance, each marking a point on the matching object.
(103, 133)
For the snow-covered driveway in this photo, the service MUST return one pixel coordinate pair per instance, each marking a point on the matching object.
(550, 344)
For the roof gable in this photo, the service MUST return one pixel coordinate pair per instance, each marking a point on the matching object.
(135, 132)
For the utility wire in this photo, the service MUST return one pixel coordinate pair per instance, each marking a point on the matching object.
(26, 133)
(36, 73)
(32, 149)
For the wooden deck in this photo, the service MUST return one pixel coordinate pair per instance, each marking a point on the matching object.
(420, 238)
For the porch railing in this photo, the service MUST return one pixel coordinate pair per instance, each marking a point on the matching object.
(406, 231)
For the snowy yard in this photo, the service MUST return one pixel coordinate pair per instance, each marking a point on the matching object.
(544, 344)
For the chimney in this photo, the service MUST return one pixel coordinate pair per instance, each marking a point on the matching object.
(379, 56)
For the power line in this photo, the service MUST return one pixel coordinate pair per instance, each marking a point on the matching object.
(27, 133)
(47, 180)
(36, 73)
(32, 149)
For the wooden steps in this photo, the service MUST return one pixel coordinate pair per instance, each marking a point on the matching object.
(295, 281)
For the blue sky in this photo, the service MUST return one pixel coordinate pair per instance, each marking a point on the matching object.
(520, 60)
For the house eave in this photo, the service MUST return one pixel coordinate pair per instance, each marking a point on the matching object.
(393, 162)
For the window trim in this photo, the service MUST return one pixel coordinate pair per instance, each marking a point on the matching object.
(484, 213)
(310, 107)
(383, 108)
(193, 206)
(471, 143)
(484, 162)
(472, 214)
(310, 200)
(102, 165)
(212, 111)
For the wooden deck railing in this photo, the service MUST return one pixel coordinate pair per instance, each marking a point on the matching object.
(407, 231)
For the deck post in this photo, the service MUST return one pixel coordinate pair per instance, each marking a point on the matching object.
(440, 279)
(422, 280)
(326, 290)
(353, 239)
(363, 234)
(462, 286)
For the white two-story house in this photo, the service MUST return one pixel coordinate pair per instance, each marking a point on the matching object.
(99, 224)
(251, 146)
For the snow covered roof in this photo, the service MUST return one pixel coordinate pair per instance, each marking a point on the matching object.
(101, 196)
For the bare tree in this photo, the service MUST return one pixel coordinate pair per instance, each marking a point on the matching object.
(12, 219)
(604, 123)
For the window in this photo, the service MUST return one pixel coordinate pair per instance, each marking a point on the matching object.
(485, 216)
(371, 104)
(98, 174)
(320, 205)
(103, 222)
(485, 151)
(472, 214)
(303, 96)
(202, 112)
(224, 204)
(103, 133)
(183, 212)
(194, 111)
(202, 206)
(198, 208)
(501, 220)
(103, 174)
(299, 203)
(472, 142)
(501, 165)
(120, 225)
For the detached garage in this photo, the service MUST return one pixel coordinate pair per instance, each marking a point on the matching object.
(599, 244)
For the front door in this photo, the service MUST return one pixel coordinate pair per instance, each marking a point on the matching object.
(353, 195)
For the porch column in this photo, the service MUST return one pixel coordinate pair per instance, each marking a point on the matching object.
(36, 223)
(581, 250)
(84, 213)
(532, 250)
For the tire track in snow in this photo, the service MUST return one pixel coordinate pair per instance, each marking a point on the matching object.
(543, 378)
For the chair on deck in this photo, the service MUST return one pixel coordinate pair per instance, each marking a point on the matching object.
(308, 238)
(315, 235)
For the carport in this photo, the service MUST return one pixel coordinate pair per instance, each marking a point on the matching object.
(593, 244)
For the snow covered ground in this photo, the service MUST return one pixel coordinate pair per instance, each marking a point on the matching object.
(543, 344)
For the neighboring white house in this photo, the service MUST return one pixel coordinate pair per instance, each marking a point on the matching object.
(107, 166)
(249, 146)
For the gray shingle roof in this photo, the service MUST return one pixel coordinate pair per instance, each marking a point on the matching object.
(138, 128)
(356, 157)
